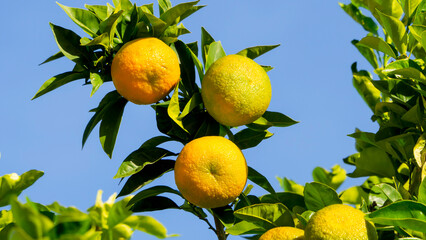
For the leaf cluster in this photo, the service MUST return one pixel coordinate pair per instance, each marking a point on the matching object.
(395, 47)
(34, 221)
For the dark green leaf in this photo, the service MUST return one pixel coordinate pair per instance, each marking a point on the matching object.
(154, 203)
(147, 175)
(69, 44)
(153, 191)
(378, 44)
(53, 57)
(405, 214)
(396, 30)
(266, 215)
(260, 180)
(422, 192)
(109, 100)
(209, 127)
(110, 125)
(189, 12)
(254, 52)
(59, 80)
(83, 18)
(270, 119)
(318, 195)
(186, 67)
(367, 23)
(225, 214)
(289, 199)
(140, 158)
(206, 40)
(11, 185)
(193, 103)
(248, 138)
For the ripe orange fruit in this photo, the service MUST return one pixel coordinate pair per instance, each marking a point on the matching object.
(236, 90)
(283, 233)
(145, 70)
(339, 222)
(210, 171)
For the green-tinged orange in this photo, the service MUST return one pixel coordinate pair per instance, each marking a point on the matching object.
(283, 233)
(236, 90)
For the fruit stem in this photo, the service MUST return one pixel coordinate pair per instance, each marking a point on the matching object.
(220, 229)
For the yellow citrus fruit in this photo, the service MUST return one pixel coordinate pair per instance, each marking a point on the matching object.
(339, 222)
(145, 70)
(283, 233)
(236, 90)
(210, 171)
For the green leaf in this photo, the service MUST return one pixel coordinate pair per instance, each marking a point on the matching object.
(419, 150)
(244, 227)
(187, 69)
(248, 138)
(378, 44)
(318, 195)
(266, 215)
(109, 25)
(153, 191)
(215, 52)
(11, 185)
(260, 180)
(107, 101)
(53, 57)
(272, 119)
(366, 89)
(190, 11)
(389, 7)
(83, 18)
(382, 193)
(396, 30)
(101, 11)
(172, 15)
(148, 174)
(209, 126)
(404, 214)
(206, 40)
(333, 179)
(173, 110)
(6, 217)
(410, 6)
(27, 217)
(290, 186)
(147, 224)
(164, 5)
(69, 44)
(58, 81)
(367, 23)
(368, 53)
(406, 68)
(422, 192)
(194, 102)
(110, 125)
(254, 52)
(118, 212)
(96, 81)
(290, 199)
(373, 161)
(154, 203)
(101, 40)
(197, 63)
(353, 195)
(140, 158)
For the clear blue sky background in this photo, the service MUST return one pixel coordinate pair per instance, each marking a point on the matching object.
(311, 83)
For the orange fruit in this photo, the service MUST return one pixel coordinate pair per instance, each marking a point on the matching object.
(210, 172)
(236, 90)
(283, 233)
(339, 222)
(145, 70)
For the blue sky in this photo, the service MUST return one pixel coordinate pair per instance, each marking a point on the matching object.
(311, 83)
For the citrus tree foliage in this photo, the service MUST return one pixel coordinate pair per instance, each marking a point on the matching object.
(33, 221)
(393, 158)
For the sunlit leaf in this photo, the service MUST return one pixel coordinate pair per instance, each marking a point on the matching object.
(254, 52)
(11, 185)
(83, 18)
(334, 179)
(266, 215)
(58, 81)
(318, 195)
(367, 23)
(172, 15)
(396, 30)
(245, 227)
(405, 214)
(378, 44)
(147, 224)
(215, 52)
(368, 53)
